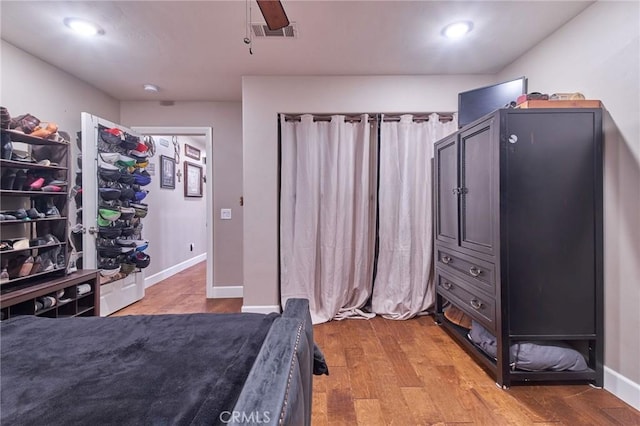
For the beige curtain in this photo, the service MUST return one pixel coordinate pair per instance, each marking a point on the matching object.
(327, 215)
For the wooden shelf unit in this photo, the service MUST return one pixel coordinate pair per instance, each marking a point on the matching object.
(21, 299)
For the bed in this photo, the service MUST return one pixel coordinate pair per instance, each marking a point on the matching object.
(187, 369)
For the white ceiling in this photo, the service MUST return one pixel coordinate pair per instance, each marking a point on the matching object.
(194, 50)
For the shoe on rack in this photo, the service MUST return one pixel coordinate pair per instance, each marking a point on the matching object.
(34, 214)
(14, 265)
(21, 177)
(43, 131)
(7, 146)
(22, 156)
(36, 184)
(52, 212)
(21, 244)
(8, 178)
(51, 239)
(38, 241)
(51, 188)
(5, 118)
(25, 268)
(47, 265)
(25, 123)
(37, 265)
(19, 214)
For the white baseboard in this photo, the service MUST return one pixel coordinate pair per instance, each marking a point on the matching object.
(227, 291)
(163, 275)
(261, 309)
(622, 387)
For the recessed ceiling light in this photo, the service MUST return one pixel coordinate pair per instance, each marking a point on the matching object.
(150, 88)
(83, 27)
(457, 29)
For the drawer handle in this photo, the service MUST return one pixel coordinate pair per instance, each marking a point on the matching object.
(446, 260)
(447, 285)
(474, 271)
(475, 304)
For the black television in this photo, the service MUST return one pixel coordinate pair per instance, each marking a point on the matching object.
(475, 103)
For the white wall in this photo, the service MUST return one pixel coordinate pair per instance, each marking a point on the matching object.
(30, 85)
(225, 118)
(264, 97)
(598, 54)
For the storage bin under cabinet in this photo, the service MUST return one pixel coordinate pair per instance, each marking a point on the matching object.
(518, 234)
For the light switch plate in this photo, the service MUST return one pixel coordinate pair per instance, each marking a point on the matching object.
(225, 214)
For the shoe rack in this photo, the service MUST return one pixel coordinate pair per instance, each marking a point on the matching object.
(114, 181)
(75, 295)
(33, 218)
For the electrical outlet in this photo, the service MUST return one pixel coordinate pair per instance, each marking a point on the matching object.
(225, 214)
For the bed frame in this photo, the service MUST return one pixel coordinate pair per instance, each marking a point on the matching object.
(280, 381)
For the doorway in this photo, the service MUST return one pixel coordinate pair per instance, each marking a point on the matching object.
(190, 148)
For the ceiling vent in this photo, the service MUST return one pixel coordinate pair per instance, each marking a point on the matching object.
(261, 30)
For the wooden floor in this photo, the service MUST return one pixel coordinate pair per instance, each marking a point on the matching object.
(405, 373)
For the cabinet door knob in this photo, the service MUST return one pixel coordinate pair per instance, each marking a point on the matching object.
(475, 304)
(455, 191)
(474, 271)
(447, 285)
(446, 260)
(93, 230)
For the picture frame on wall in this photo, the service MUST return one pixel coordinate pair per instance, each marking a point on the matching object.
(192, 180)
(167, 172)
(191, 152)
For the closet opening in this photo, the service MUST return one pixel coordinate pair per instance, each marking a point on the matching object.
(355, 233)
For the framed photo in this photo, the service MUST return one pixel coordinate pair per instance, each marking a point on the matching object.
(191, 152)
(167, 172)
(192, 180)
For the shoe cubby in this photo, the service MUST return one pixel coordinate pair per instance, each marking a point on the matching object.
(76, 294)
(34, 191)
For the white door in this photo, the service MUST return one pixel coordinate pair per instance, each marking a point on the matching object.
(121, 288)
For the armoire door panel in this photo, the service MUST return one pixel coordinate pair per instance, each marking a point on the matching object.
(447, 199)
(550, 196)
(477, 199)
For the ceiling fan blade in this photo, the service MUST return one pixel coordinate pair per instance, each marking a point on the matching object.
(274, 14)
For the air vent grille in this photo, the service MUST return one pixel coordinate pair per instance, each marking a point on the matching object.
(261, 30)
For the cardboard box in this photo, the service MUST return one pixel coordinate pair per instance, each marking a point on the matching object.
(586, 103)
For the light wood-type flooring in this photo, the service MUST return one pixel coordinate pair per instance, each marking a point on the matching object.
(406, 373)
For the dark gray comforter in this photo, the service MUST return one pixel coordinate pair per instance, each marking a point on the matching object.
(135, 370)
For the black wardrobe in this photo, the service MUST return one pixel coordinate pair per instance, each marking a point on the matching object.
(518, 235)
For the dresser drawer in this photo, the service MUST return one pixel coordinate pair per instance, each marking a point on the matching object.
(479, 306)
(479, 272)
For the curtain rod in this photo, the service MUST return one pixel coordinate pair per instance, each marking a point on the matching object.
(351, 118)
